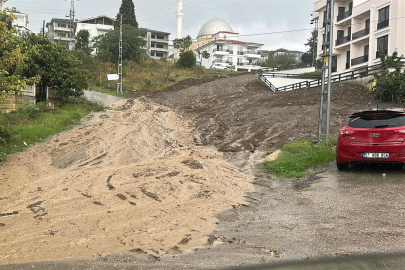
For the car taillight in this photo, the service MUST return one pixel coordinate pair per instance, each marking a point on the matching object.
(400, 132)
(344, 132)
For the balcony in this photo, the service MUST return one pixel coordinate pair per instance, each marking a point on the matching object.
(240, 53)
(252, 55)
(230, 51)
(344, 15)
(361, 33)
(220, 52)
(342, 40)
(360, 60)
(383, 24)
(377, 55)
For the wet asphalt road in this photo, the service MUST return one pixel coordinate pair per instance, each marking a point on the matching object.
(330, 215)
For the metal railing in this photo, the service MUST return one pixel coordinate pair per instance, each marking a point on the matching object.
(342, 40)
(218, 50)
(361, 33)
(349, 75)
(383, 24)
(230, 51)
(359, 60)
(344, 15)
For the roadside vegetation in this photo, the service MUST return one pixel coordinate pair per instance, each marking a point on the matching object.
(297, 157)
(34, 123)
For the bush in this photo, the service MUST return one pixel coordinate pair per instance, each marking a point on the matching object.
(186, 60)
(32, 110)
(5, 135)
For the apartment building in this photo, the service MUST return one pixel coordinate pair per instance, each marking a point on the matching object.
(226, 48)
(157, 43)
(20, 19)
(59, 31)
(362, 30)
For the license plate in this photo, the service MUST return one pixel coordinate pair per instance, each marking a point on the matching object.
(376, 155)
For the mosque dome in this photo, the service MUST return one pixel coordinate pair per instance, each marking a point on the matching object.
(214, 26)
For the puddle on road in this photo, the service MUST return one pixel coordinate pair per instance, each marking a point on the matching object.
(105, 99)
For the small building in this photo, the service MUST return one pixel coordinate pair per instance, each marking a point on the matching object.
(282, 51)
(157, 43)
(59, 31)
(96, 26)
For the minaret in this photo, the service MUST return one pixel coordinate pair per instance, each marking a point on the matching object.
(179, 15)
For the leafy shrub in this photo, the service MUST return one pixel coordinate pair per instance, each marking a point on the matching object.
(186, 60)
(32, 110)
(5, 135)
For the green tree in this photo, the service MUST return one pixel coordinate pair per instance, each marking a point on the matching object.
(12, 59)
(132, 44)
(58, 68)
(182, 44)
(206, 54)
(312, 42)
(83, 42)
(306, 58)
(390, 80)
(282, 60)
(127, 10)
(187, 59)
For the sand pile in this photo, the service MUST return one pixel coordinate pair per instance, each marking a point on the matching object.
(136, 181)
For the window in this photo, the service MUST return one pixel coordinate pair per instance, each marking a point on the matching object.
(62, 25)
(160, 37)
(382, 46)
(153, 36)
(230, 60)
(383, 17)
(159, 46)
(230, 49)
(159, 54)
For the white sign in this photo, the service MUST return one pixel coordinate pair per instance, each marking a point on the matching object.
(113, 77)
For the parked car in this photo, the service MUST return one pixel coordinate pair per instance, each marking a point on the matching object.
(222, 66)
(372, 136)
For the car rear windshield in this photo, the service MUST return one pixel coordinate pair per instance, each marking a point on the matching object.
(376, 120)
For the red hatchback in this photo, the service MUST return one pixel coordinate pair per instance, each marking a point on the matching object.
(372, 136)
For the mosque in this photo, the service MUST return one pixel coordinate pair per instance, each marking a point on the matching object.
(218, 38)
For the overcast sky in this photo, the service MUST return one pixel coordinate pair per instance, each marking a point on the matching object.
(256, 21)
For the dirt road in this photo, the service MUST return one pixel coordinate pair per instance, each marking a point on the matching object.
(147, 189)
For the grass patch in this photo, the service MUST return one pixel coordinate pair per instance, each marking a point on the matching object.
(316, 75)
(21, 128)
(296, 158)
(152, 75)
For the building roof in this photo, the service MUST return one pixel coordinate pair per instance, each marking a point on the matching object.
(93, 18)
(155, 31)
(214, 26)
(228, 41)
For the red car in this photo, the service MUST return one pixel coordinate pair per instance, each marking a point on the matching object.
(372, 136)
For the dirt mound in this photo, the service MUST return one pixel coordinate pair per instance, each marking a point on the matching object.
(136, 181)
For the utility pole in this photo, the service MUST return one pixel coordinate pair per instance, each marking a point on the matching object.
(314, 41)
(43, 28)
(327, 66)
(72, 20)
(119, 85)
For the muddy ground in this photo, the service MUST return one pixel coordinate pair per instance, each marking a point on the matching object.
(206, 144)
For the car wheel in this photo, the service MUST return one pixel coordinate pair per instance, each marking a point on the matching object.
(225, 69)
(342, 166)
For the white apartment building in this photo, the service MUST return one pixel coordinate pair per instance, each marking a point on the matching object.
(226, 48)
(96, 26)
(20, 19)
(362, 29)
(157, 43)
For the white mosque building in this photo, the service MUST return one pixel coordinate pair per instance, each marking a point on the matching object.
(218, 38)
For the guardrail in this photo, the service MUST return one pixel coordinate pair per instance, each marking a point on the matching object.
(349, 75)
